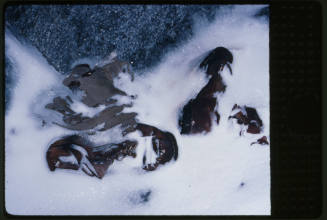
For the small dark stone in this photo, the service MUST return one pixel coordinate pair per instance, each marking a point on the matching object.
(262, 141)
(247, 116)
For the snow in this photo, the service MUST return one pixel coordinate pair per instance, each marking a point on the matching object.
(216, 174)
(85, 110)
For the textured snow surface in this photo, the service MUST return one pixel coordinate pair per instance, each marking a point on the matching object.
(65, 33)
(216, 174)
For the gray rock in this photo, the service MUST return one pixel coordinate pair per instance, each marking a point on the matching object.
(98, 87)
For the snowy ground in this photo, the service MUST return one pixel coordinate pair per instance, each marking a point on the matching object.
(215, 174)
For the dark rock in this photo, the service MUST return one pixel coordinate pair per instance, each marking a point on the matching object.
(263, 141)
(163, 143)
(216, 60)
(197, 114)
(247, 116)
(97, 160)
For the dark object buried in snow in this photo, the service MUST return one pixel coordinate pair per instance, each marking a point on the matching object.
(197, 114)
(97, 83)
(95, 160)
(263, 141)
(98, 87)
(247, 116)
(163, 143)
(216, 60)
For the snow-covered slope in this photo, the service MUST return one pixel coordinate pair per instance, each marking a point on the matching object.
(216, 174)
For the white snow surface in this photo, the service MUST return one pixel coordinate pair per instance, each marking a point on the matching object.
(207, 177)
